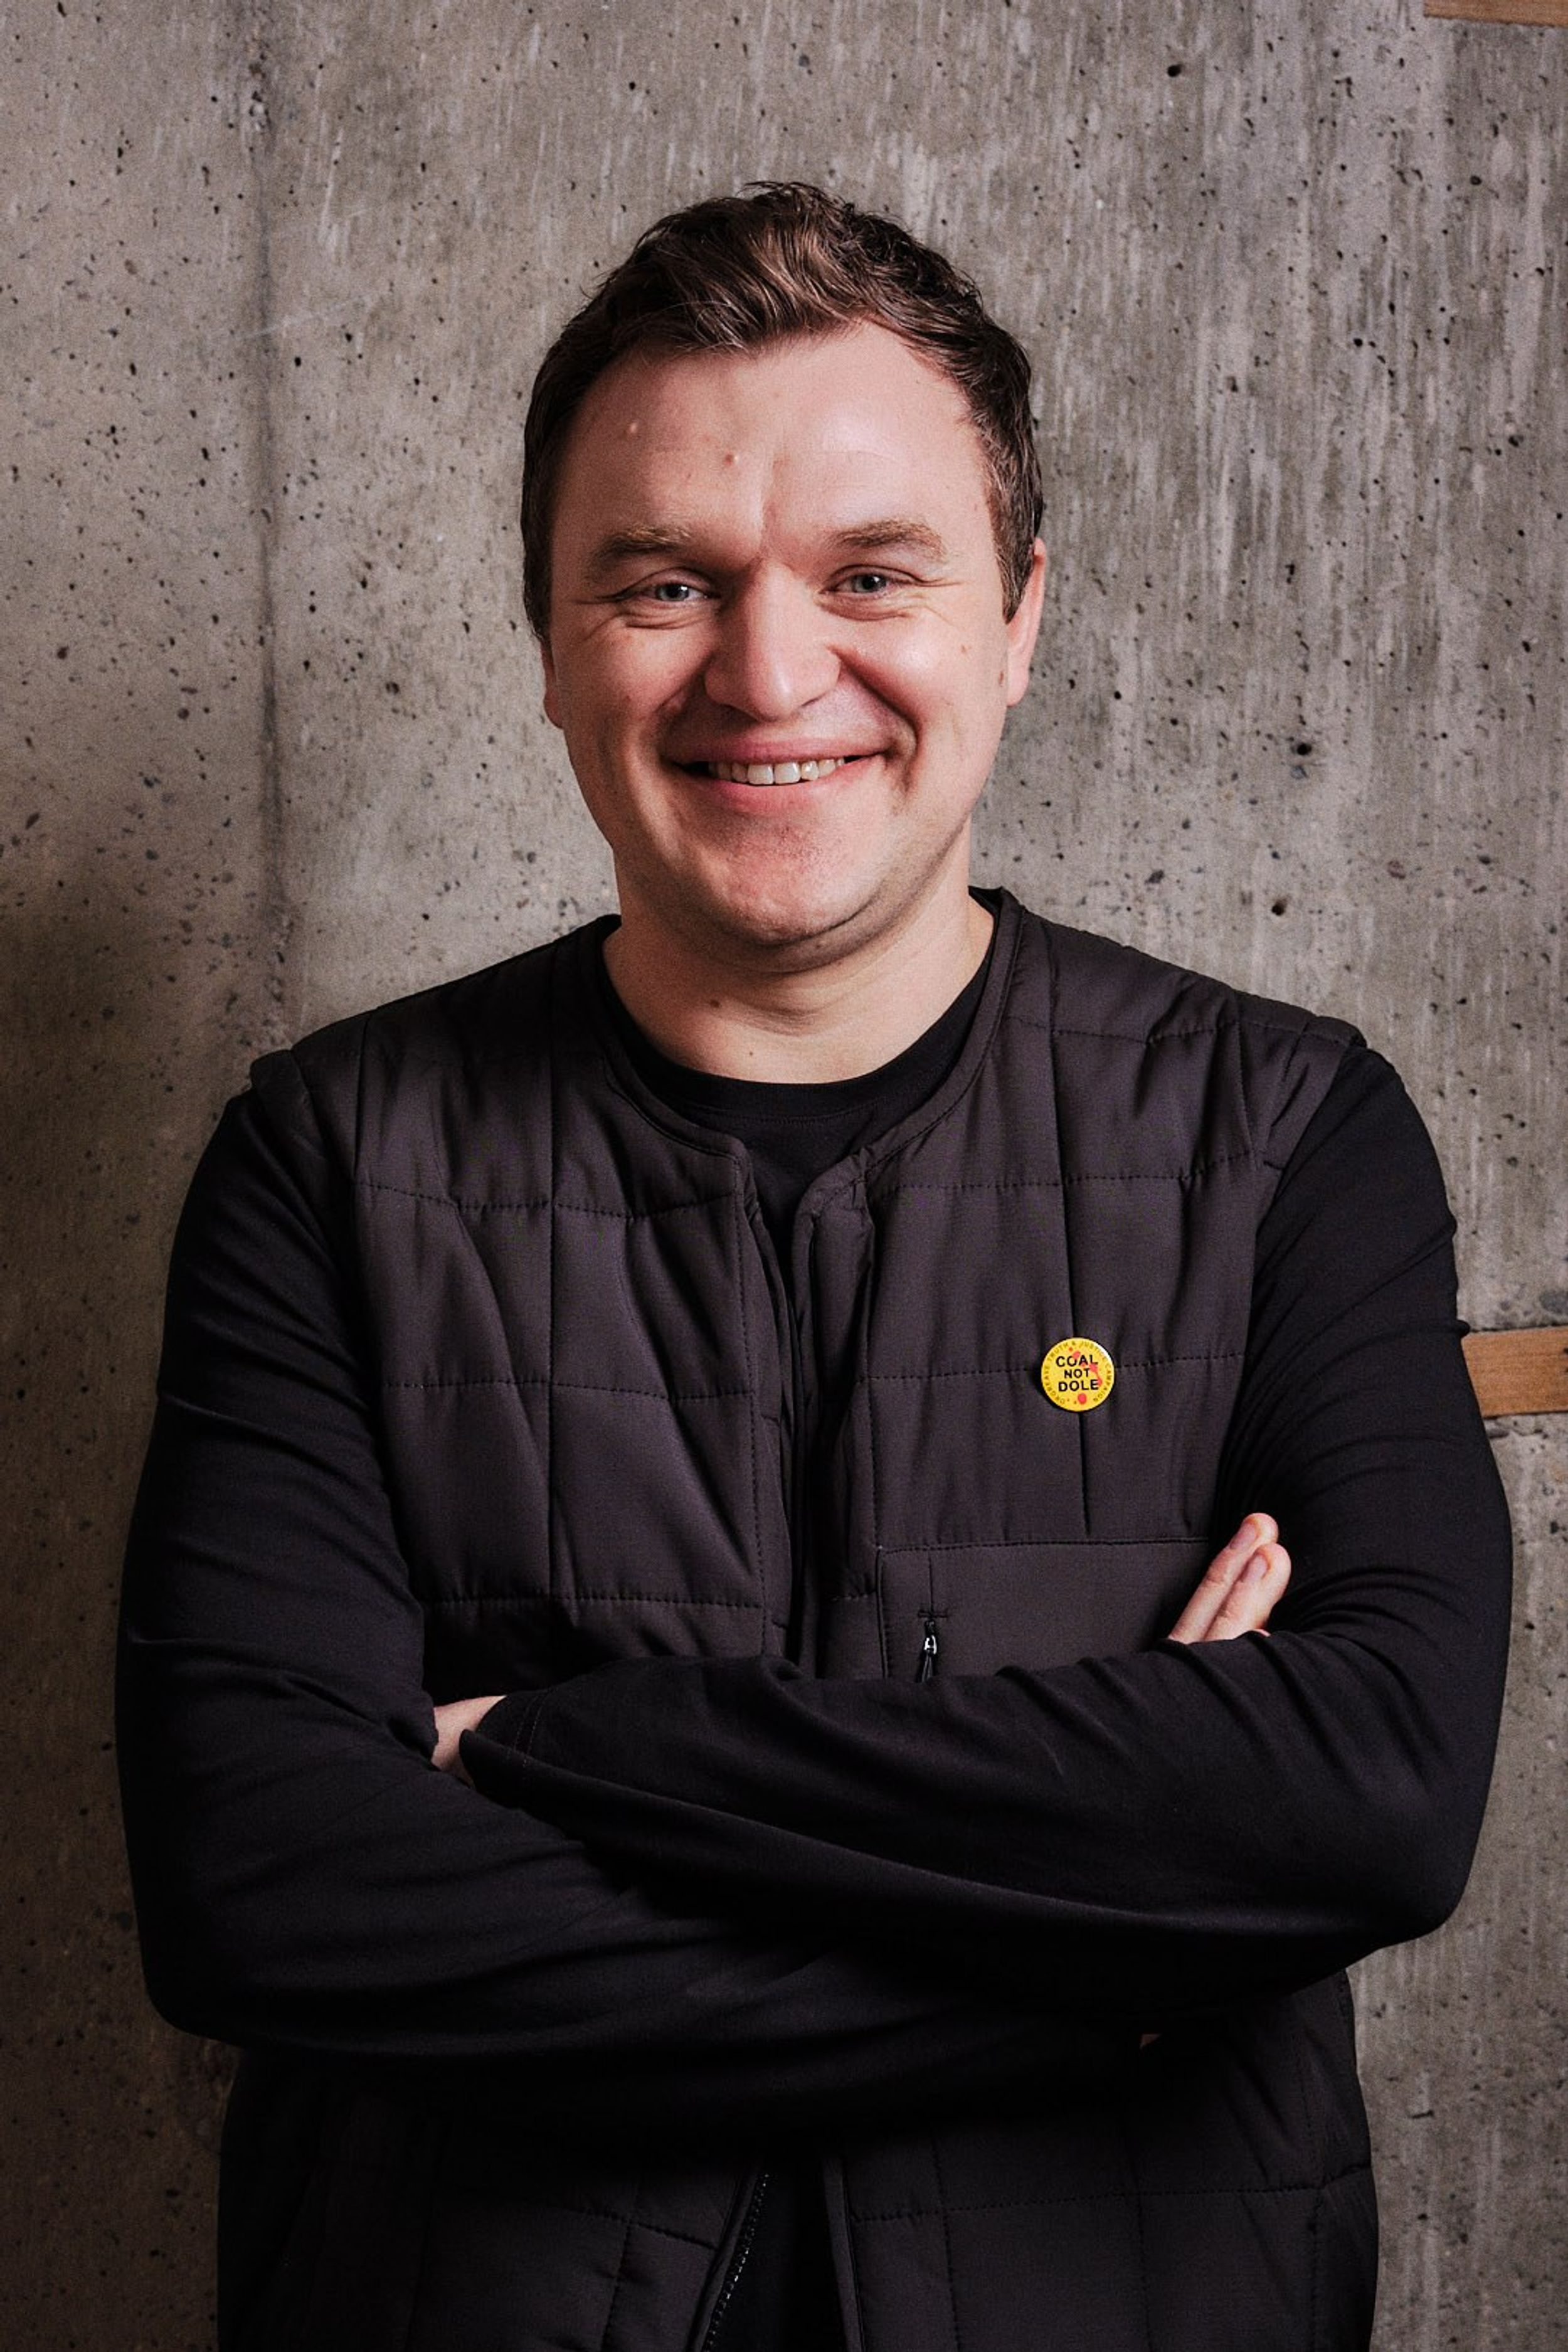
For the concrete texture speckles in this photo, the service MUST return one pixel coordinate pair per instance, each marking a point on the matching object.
(277, 283)
(1464, 2037)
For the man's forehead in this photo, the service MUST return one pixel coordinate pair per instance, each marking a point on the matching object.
(857, 352)
(852, 432)
(841, 398)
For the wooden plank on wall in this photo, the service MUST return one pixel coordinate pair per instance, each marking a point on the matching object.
(1519, 1371)
(1502, 11)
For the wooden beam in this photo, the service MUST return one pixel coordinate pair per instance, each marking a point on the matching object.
(1502, 11)
(1519, 1371)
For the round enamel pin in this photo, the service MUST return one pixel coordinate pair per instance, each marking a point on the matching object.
(1078, 1375)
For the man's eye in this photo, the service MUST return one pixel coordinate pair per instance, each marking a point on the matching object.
(868, 584)
(669, 591)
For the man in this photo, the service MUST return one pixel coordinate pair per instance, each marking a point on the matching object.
(745, 1392)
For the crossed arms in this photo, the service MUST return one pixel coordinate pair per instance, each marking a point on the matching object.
(720, 1886)
(1236, 1596)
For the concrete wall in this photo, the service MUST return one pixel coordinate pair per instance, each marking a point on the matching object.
(278, 277)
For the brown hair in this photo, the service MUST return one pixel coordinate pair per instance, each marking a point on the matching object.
(786, 258)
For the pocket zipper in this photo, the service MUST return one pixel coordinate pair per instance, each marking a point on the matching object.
(926, 1666)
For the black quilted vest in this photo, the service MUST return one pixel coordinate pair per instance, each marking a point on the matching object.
(579, 1340)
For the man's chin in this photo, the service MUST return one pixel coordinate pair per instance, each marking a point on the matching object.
(787, 914)
(798, 929)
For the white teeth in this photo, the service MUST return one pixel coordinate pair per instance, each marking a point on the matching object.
(772, 772)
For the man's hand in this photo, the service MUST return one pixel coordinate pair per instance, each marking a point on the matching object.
(1241, 1586)
(461, 1715)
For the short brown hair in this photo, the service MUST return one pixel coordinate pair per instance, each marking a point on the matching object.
(784, 258)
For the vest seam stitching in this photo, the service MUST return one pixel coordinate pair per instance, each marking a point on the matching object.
(857, 2297)
(1045, 1543)
(1069, 1264)
(1107, 2197)
(469, 1205)
(653, 2229)
(1127, 2140)
(634, 2219)
(946, 2209)
(1161, 1175)
(740, 1229)
(630, 2223)
(576, 1600)
(1011, 1371)
(1042, 1544)
(1239, 1019)
(510, 1206)
(1085, 1176)
(857, 1393)
(572, 1388)
(424, 2262)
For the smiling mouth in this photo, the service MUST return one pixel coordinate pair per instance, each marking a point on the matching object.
(771, 771)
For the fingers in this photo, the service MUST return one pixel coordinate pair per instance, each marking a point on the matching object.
(1198, 1616)
(460, 1715)
(1242, 1584)
(1248, 1605)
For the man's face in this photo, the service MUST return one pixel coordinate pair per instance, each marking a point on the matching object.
(764, 560)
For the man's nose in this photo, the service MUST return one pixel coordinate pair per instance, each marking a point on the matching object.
(773, 652)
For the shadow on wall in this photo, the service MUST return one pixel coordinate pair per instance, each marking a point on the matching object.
(108, 1077)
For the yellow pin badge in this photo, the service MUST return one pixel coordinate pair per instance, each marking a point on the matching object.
(1077, 1375)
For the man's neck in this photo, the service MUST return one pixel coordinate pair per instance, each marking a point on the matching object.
(739, 1019)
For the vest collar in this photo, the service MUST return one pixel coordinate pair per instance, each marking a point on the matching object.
(583, 1031)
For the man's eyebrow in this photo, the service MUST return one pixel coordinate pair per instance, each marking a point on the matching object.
(880, 535)
(633, 540)
(892, 531)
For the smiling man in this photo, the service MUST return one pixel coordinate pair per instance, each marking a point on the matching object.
(781, 654)
(683, 1696)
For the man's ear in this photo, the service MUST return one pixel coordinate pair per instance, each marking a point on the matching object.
(552, 688)
(1024, 627)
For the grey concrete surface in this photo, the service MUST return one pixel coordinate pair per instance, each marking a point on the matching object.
(275, 282)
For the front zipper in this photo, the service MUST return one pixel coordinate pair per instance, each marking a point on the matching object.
(798, 1499)
(929, 1647)
(742, 2255)
(794, 1460)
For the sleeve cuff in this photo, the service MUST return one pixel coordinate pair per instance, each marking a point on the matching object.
(509, 1722)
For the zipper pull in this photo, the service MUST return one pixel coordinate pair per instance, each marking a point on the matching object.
(926, 1666)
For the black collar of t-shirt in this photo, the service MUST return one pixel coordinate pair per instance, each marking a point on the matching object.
(793, 1132)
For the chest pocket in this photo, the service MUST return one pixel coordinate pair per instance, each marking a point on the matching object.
(971, 1609)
